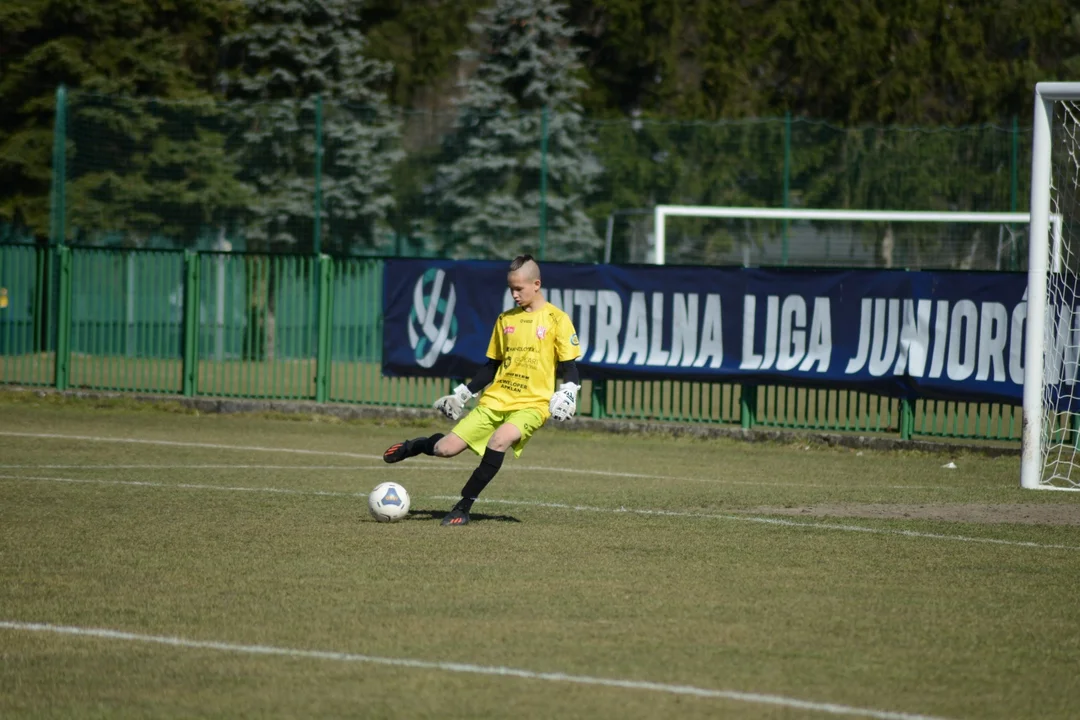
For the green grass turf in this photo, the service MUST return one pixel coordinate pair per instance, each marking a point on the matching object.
(706, 596)
(834, 410)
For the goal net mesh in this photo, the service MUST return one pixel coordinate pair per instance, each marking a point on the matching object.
(841, 243)
(1061, 403)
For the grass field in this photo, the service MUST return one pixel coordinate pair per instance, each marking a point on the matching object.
(158, 563)
(833, 410)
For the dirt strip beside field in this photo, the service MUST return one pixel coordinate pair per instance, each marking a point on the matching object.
(1026, 514)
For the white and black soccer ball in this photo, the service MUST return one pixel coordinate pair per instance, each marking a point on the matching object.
(388, 502)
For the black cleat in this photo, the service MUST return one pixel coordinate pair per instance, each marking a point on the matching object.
(398, 451)
(457, 516)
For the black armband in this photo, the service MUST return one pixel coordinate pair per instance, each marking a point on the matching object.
(568, 371)
(483, 376)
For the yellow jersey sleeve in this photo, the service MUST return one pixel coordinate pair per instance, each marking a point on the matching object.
(497, 345)
(567, 345)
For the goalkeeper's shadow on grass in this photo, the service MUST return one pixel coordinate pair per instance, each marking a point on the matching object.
(474, 517)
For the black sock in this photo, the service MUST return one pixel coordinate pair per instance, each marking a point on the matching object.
(489, 465)
(425, 445)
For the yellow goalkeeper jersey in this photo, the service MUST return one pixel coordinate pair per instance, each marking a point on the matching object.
(530, 345)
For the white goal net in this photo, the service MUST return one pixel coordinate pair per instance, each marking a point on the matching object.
(915, 240)
(1051, 436)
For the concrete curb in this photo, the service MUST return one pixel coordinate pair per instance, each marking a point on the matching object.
(641, 427)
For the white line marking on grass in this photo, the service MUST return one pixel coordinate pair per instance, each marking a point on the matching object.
(351, 468)
(718, 481)
(646, 476)
(560, 506)
(747, 697)
(771, 521)
(177, 443)
(184, 486)
(361, 456)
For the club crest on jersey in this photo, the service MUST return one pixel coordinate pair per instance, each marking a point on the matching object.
(541, 332)
(391, 497)
(508, 330)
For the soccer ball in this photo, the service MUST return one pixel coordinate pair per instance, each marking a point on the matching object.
(388, 502)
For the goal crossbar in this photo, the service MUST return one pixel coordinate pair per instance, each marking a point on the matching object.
(662, 212)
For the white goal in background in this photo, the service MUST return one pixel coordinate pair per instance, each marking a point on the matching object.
(811, 229)
(1051, 433)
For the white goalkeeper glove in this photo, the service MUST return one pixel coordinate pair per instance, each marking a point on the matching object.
(453, 405)
(563, 403)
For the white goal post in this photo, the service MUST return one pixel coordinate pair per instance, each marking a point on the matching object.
(1051, 430)
(1051, 409)
(662, 212)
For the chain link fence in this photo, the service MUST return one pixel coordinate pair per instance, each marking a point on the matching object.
(317, 175)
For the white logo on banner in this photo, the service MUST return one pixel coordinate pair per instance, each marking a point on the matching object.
(432, 325)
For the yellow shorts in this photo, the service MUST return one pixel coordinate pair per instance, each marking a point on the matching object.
(480, 424)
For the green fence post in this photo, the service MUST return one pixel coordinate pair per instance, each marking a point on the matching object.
(1014, 162)
(42, 283)
(599, 398)
(787, 185)
(317, 240)
(1014, 183)
(907, 418)
(326, 326)
(191, 324)
(747, 406)
(57, 235)
(57, 194)
(543, 179)
(63, 319)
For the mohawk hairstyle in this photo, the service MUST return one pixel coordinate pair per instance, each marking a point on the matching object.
(521, 260)
(525, 261)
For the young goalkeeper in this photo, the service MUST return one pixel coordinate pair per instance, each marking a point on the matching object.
(530, 345)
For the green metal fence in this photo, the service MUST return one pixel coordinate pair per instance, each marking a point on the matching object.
(310, 328)
(27, 316)
(163, 198)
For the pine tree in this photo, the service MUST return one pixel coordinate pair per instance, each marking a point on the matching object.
(149, 172)
(488, 191)
(123, 154)
(292, 56)
(420, 38)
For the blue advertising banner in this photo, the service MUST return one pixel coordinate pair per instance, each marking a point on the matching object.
(949, 335)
